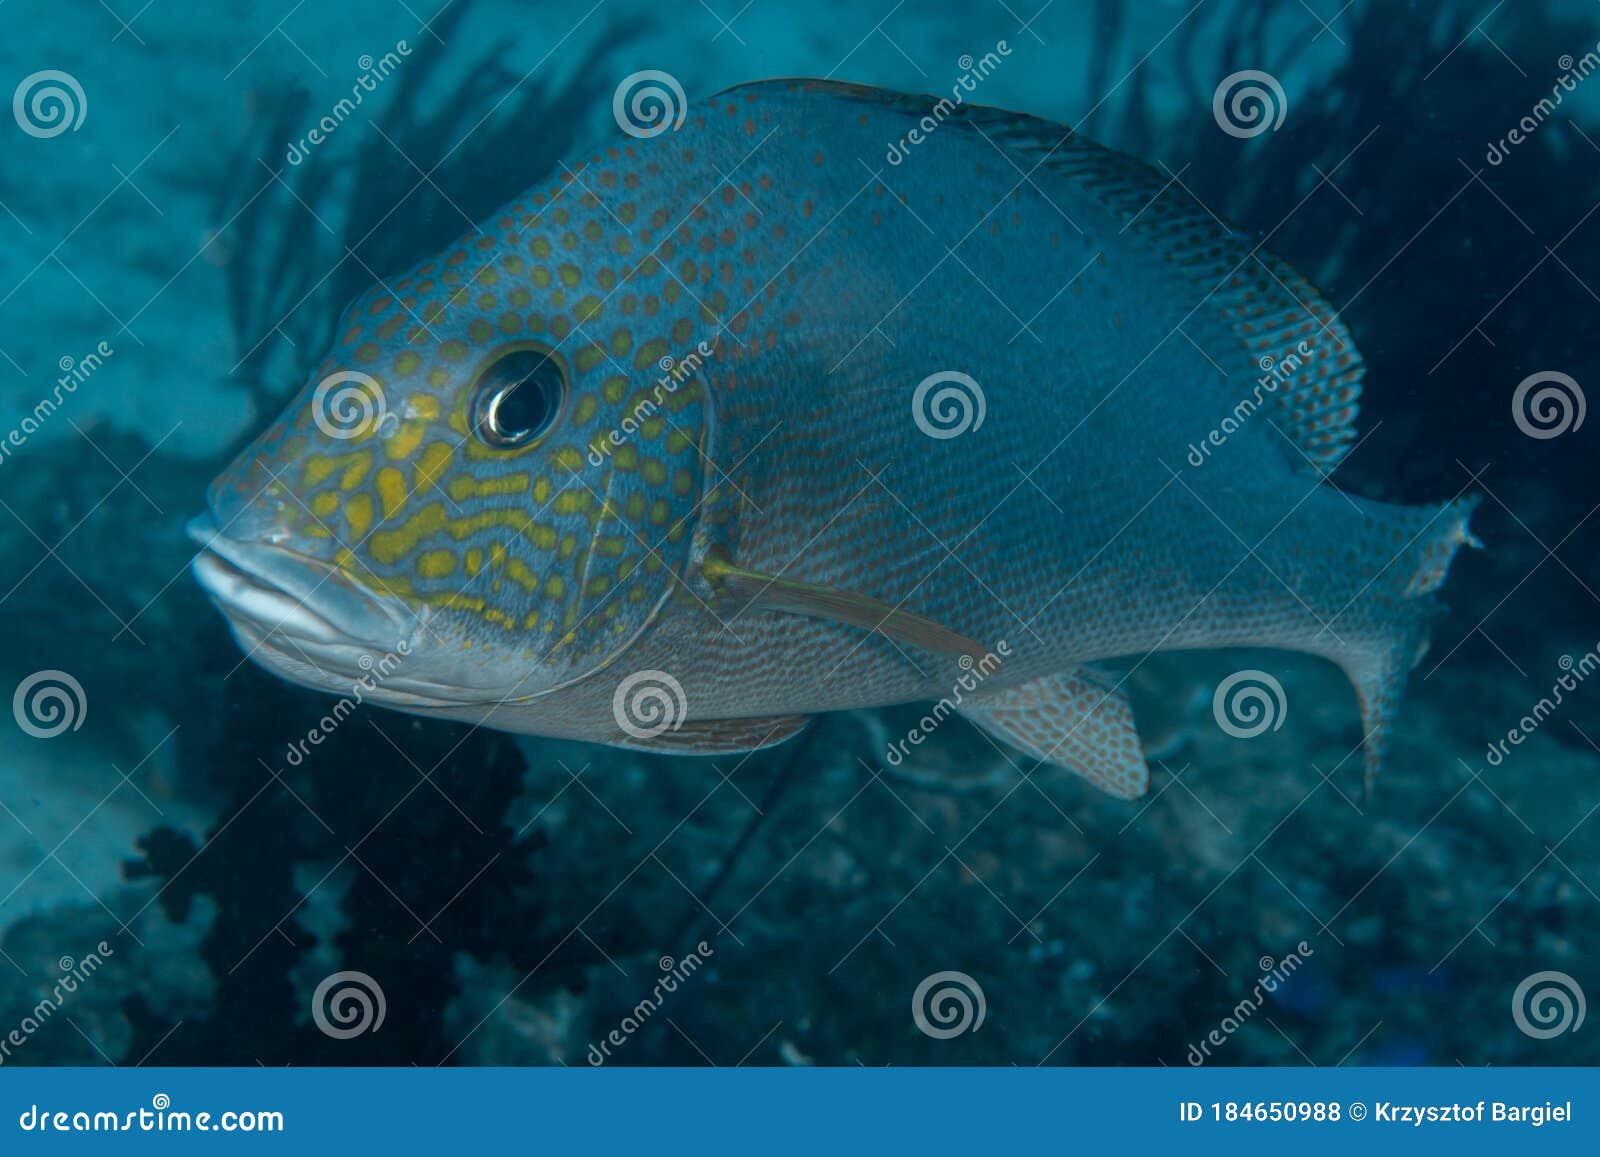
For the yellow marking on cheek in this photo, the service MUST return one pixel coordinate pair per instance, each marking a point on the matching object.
(474, 561)
(626, 458)
(650, 353)
(391, 490)
(610, 545)
(569, 546)
(406, 364)
(356, 472)
(570, 275)
(584, 410)
(434, 464)
(390, 546)
(678, 441)
(436, 564)
(682, 482)
(530, 620)
(324, 504)
(614, 388)
(651, 427)
(358, 512)
(497, 555)
(598, 585)
(573, 502)
(659, 510)
(318, 470)
(465, 486)
(423, 405)
(654, 471)
(589, 356)
(520, 573)
(541, 490)
(555, 587)
(405, 441)
(568, 458)
(541, 535)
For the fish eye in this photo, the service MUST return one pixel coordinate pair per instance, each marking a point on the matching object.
(518, 397)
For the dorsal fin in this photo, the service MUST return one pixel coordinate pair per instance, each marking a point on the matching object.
(1271, 309)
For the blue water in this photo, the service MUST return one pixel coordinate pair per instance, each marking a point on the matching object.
(188, 197)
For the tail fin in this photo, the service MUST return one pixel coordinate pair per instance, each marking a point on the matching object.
(1397, 609)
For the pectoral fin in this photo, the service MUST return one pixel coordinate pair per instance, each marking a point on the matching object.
(772, 593)
(1072, 722)
(717, 736)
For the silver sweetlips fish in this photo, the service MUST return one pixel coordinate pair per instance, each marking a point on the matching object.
(730, 426)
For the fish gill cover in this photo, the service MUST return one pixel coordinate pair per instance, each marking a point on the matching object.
(208, 224)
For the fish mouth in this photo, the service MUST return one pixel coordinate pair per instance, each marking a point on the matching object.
(276, 597)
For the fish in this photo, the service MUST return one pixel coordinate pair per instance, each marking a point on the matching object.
(734, 422)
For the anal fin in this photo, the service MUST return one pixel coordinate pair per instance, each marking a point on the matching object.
(716, 736)
(1070, 721)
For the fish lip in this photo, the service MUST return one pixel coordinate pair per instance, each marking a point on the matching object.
(274, 589)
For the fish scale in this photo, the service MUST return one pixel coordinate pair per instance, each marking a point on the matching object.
(780, 534)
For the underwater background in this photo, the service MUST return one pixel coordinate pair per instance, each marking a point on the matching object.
(178, 886)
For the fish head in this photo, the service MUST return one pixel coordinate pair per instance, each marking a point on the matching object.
(498, 468)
